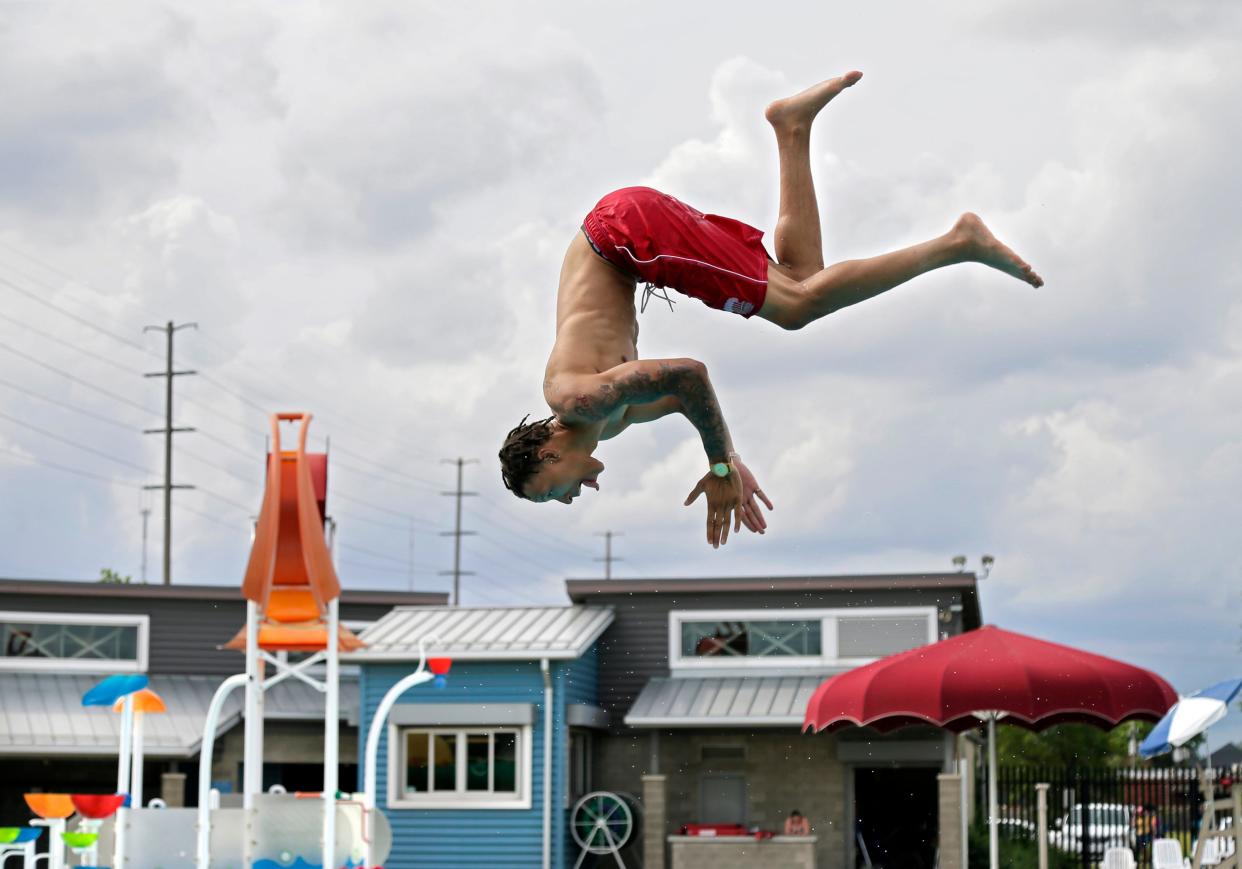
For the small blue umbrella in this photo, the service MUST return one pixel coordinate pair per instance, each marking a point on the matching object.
(1191, 716)
(112, 689)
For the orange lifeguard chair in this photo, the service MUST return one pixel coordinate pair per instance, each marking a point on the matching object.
(292, 597)
(290, 576)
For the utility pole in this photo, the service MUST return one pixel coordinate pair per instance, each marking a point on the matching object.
(167, 431)
(457, 534)
(146, 515)
(411, 555)
(608, 558)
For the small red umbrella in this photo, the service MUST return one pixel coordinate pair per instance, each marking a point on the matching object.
(984, 675)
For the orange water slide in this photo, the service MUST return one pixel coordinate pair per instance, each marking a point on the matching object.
(290, 575)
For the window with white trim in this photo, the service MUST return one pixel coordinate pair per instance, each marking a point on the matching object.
(483, 767)
(750, 640)
(90, 643)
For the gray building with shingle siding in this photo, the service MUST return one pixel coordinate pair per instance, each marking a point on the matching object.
(706, 682)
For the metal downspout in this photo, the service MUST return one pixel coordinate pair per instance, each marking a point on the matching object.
(547, 763)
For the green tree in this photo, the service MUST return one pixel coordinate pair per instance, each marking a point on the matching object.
(108, 575)
(1063, 745)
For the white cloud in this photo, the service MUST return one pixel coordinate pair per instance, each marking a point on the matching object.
(366, 208)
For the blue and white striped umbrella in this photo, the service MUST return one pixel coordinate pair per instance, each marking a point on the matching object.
(1191, 716)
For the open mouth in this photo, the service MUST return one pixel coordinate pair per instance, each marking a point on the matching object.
(593, 483)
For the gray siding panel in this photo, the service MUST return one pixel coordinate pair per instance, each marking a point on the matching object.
(635, 646)
(184, 632)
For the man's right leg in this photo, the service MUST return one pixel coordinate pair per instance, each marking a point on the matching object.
(799, 245)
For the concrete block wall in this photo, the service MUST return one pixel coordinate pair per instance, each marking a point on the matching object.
(783, 769)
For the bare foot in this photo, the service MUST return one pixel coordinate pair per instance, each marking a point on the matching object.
(796, 113)
(979, 245)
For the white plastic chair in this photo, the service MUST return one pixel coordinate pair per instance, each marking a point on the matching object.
(1118, 858)
(1167, 854)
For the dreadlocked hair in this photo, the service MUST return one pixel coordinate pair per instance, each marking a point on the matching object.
(519, 456)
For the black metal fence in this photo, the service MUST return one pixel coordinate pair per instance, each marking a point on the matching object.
(1091, 809)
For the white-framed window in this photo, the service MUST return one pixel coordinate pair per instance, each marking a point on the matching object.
(460, 767)
(78, 642)
(748, 640)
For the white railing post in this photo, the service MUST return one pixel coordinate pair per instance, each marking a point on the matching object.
(371, 753)
(202, 851)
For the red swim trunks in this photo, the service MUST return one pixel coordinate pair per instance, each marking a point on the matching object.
(662, 241)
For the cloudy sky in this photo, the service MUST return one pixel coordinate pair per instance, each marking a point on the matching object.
(363, 207)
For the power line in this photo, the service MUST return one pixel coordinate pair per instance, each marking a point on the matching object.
(337, 493)
(374, 554)
(570, 548)
(516, 554)
(82, 320)
(187, 508)
(388, 473)
(75, 378)
(47, 336)
(248, 511)
(72, 443)
(41, 397)
(68, 470)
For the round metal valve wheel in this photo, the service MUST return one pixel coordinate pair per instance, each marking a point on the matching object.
(602, 823)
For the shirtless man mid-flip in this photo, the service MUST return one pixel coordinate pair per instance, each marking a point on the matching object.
(595, 384)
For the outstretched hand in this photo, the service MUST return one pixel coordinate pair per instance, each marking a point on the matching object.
(724, 505)
(752, 516)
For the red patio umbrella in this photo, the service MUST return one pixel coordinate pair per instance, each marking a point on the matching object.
(984, 675)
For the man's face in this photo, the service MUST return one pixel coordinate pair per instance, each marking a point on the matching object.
(562, 474)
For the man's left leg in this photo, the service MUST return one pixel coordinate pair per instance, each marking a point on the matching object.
(793, 304)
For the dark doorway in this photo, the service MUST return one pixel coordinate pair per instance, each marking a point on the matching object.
(305, 777)
(896, 818)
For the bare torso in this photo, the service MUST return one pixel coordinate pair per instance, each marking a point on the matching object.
(596, 323)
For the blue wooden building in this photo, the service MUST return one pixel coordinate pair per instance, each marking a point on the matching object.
(483, 771)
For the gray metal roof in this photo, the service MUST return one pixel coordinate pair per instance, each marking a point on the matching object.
(486, 633)
(43, 713)
(747, 701)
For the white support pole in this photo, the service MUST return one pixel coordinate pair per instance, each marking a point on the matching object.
(331, 734)
(137, 760)
(252, 757)
(124, 761)
(375, 732)
(993, 821)
(202, 852)
(55, 855)
(127, 736)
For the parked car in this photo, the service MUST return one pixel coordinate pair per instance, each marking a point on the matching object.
(1108, 825)
(1016, 828)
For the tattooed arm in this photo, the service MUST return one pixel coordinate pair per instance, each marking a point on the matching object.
(592, 398)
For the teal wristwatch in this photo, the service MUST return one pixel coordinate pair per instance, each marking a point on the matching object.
(721, 469)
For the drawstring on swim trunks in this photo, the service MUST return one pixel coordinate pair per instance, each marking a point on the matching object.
(649, 290)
